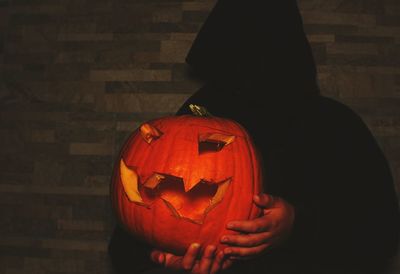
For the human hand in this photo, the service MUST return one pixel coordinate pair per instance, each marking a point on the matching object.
(262, 233)
(209, 263)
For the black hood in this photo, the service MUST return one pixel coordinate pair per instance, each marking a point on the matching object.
(255, 46)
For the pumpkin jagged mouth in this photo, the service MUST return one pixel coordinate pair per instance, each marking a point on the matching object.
(190, 204)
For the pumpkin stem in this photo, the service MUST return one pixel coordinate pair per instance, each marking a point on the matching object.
(199, 111)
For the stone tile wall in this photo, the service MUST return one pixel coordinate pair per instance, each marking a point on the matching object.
(76, 77)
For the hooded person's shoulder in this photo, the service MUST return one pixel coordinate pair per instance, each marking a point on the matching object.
(332, 113)
(332, 125)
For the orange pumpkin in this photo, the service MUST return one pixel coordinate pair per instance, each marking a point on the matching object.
(180, 179)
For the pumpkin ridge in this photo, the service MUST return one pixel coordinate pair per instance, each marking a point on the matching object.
(175, 153)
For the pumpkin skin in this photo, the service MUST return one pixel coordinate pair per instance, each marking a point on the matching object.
(185, 208)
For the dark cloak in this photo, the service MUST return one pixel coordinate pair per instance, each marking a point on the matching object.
(317, 153)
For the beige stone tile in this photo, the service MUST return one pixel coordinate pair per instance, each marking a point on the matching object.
(53, 190)
(168, 15)
(353, 48)
(74, 245)
(128, 126)
(384, 126)
(321, 38)
(43, 136)
(152, 103)
(90, 149)
(198, 5)
(85, 36)
(174, 51)
(130, 75)
(177, 36)
(82, 225)
(318, 17)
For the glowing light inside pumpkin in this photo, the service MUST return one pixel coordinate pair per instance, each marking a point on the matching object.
(214, 142)
(129, 180)
(192, 204)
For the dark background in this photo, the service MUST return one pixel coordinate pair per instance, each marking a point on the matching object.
(77, 76)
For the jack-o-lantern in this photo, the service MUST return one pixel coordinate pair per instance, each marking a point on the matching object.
(180, 179)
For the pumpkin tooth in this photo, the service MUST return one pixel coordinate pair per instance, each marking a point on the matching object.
(129, 180)
(191, 183)
(154, 180)
(171, 208)
(222, 188)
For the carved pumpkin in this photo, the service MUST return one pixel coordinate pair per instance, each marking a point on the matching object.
(180, 179)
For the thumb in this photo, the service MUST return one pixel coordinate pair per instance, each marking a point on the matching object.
(263, 200)
(157, 256)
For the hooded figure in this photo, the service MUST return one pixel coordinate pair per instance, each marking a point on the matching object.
(258, 46)
(318, 155)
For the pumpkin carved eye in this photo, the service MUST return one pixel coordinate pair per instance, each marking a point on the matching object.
(214, 142)
(149, 132)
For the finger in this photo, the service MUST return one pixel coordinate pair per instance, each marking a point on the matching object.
(157, 256)
(207, 259)
(247, 240)
(190, 256)
(257, 225)
(218, 261)
(172, 261)
(263, 200)
(245, 252)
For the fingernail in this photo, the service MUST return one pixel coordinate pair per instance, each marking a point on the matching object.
(256, 197)
(224, 239)
(230, 225)
(161, 258)
(228, 251)
(195, 245)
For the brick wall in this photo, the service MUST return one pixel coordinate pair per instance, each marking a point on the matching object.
(77, 76)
